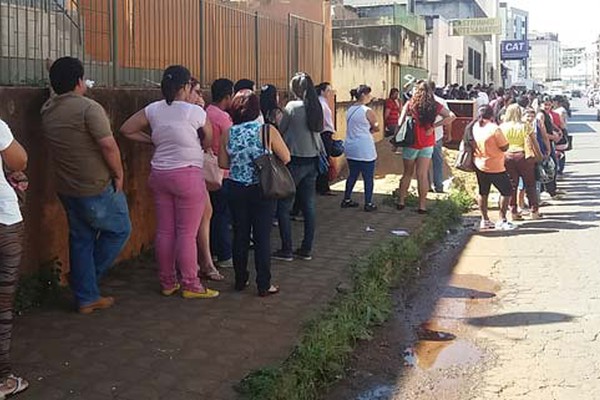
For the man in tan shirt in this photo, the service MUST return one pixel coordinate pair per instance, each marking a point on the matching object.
(89, 181)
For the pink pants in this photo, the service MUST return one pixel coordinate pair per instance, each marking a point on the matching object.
(180, 198)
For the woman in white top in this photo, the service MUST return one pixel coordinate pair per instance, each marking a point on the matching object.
(176, 180)
(361, 123)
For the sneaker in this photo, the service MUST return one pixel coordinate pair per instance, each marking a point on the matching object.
(303, 254)
(207, 294)
(349, 204)
(370, 207)
(100, 304)
(516, 217)
(505, 226)
(275, 223)
(282, 256)
(225, 263)
(486, 225)
(524, 211)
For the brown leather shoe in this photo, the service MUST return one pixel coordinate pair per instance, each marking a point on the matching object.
(100, 304)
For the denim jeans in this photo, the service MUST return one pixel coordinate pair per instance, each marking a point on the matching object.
(220, 235)
(438, 166)
(550, 187)
(304, 171)
(251, 213)
(99, 227)
(367, 170)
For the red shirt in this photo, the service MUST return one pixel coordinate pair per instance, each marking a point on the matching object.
(556, 119)
(394, 112)
(422, 139)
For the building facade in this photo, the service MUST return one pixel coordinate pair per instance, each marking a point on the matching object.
(516, 27)
(545, 58)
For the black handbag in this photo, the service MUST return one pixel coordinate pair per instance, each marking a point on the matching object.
(405, 135)
(275, 180)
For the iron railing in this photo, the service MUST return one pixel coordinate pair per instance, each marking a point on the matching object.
(130, 42)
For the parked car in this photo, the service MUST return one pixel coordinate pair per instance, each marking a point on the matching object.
(577, 94)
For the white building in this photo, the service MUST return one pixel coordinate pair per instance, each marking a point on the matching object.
(544, 58)
(516, 27)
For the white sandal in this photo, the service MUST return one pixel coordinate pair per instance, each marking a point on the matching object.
(7, 389)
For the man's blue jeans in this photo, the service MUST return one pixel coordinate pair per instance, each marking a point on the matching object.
(99, 227)
(220, 232)
(304, 171)
(438, 166)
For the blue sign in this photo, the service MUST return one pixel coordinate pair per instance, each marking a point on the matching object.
(514, 49)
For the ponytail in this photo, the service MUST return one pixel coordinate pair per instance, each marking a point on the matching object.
(174, 79)
(303, 87)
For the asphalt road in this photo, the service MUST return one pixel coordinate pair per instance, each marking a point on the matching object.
(524, 307)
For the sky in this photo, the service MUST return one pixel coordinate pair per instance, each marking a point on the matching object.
(577, 22)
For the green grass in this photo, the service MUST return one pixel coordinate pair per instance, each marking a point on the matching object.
(329, 339)
(39, 289)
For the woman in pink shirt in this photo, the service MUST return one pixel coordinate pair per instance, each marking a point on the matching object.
(176, 180)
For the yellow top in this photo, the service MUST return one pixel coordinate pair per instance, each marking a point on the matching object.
(516, 133)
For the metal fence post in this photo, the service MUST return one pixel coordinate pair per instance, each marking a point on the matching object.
(257, 46)
(115, 43)
(201, 49)
(289, 55)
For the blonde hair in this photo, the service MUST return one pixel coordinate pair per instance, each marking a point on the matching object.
(513, 114)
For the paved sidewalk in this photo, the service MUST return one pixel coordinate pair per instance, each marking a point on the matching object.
(149, 347)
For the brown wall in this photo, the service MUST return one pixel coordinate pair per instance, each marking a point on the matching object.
(46, 229)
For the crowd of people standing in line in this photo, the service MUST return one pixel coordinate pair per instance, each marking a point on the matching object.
(202, 225)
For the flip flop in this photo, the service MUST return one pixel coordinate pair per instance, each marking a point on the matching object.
(20, 385)
(214, 275)
(269, 292)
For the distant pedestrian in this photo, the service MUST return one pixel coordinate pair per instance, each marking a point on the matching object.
(391, 112)
(326, 97)
(437, 160)
(176, 179)
(89, 181)
(301, 126)
(517, 165)
(14, 158)
(361, 124)
(241, 145)
(423, 108)
(490, 146)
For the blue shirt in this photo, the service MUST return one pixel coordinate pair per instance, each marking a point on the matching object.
(244, 146)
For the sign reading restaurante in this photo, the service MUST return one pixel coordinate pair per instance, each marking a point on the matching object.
(476, 27)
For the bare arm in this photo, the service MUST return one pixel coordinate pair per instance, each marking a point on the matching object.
(112, 157)
(542, 127)
(386, 113)
(208, 135)
(223, 155)
(372, 118)
(134, 127)
(278, 146)
(15, 157)
(448, 118)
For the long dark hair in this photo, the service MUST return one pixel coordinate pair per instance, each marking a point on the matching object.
(174, 79)
(268, 99)
(486, 113)
(303, 88)
(423, 103)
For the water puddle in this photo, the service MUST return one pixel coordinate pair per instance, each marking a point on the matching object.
(444, 355)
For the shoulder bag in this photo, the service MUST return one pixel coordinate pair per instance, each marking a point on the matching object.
(405, 134)
(213, 175)
(465, 161)
(274, 178)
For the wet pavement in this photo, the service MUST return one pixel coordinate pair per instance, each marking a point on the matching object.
(524, 307)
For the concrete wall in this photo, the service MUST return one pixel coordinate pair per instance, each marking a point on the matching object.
(408, 46)
(46, 227)
(354, 65)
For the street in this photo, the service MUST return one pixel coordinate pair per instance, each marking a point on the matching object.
(524, 307)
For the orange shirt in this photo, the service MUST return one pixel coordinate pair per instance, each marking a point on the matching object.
(488, 156)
